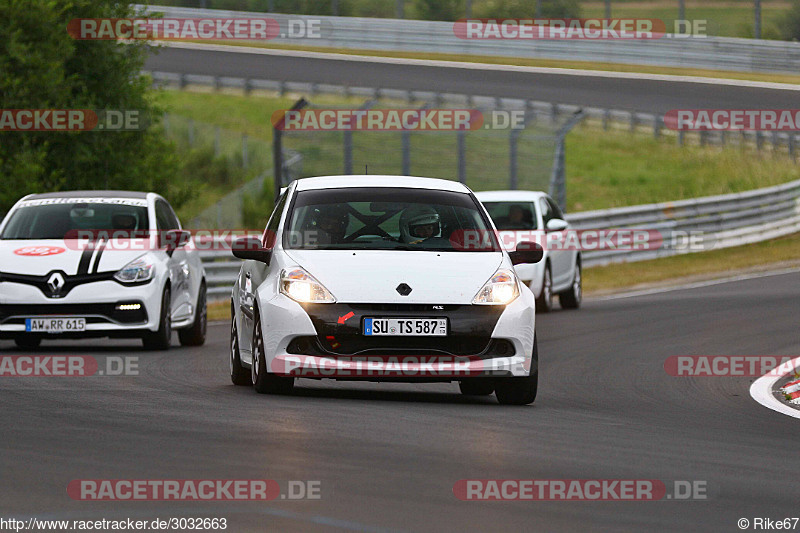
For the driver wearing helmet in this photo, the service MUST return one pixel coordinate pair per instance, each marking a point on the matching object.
(418, 224)
(332, 221)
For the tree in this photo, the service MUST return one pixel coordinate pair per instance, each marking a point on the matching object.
(42, 67)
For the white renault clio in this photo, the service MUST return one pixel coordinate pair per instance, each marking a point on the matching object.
(383, 278)
(99, 264)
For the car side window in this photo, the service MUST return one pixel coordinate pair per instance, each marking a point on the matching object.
(556, 211)
(164, 218)
(547, 212)
(270, 233)
(172, 218)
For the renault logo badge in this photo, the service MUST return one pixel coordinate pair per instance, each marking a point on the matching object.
(55, 282)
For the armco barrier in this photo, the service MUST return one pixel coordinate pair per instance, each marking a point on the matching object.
(717, 53)
(723, 221)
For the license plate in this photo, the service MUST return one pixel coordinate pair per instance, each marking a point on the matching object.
(55, 325)
(431, 327)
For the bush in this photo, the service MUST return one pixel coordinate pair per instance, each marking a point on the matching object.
(790, 25)
(439, 9)
(43, 68)
(509, 9)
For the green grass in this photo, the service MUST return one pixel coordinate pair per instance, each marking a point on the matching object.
(725, 18)
(709, 264)
(604, 168)
(617, 168)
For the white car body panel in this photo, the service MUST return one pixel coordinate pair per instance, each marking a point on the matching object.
(183, 269)
(370, 276)
(563, 262)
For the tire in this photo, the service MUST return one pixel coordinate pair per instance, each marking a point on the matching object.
(27, 343)
(195, 335)
(476, 387)
(160, 340)
(265, 382)
(239, 374)
(571, 298)
(520, 390)
(544, 303)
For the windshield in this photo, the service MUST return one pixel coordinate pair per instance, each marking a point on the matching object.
(512, 215)
(379, 218)
(55, 219)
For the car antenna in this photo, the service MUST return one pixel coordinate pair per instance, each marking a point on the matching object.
(366, 169)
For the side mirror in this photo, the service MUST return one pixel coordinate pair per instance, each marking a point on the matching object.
(526, 252)
(175, 238)
(556, 224)
(250, 248)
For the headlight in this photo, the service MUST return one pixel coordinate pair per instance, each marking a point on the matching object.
(301, 287)
(140, 269)
(501, 289)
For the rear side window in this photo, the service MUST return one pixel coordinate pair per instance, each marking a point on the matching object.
(268, 240)
(165, 217)
(512, 215)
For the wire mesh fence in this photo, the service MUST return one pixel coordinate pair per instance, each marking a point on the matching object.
(489, 156)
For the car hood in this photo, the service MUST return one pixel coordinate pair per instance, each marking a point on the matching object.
(39, 257)
(372, 276)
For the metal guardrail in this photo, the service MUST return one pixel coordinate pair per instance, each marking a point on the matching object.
(716, 53)
(720, 221)
(621, 119)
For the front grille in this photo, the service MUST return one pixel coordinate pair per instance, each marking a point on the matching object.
(335, 347)
(107, 312)
(340, 330)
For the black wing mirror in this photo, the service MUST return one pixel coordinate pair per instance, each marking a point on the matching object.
(526, 252)
(250, 248)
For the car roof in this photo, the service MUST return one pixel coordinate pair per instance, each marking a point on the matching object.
(411, 182)
(87, 194)
(509, 196)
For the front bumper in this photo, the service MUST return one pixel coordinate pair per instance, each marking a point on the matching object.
(97, 302)
(326, 340)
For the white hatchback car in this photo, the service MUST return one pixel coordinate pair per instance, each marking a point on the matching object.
(99, 264)
(531, 216)
(368, 278)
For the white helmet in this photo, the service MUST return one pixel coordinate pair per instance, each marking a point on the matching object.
(418, 216)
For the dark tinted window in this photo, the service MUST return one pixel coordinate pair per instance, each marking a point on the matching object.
(512, 215)
(388, 219)
(54, 219)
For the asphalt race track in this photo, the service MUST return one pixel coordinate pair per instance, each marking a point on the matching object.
(388, 455)
(656, 96)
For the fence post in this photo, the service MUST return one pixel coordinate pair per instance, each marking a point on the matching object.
(462, 156)
(244, 150)
(406, 138)
(681, 134)
(558, 176)
(277, 150)
(633, 122)
(512, 159)
(657, 126)
(606, 118)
